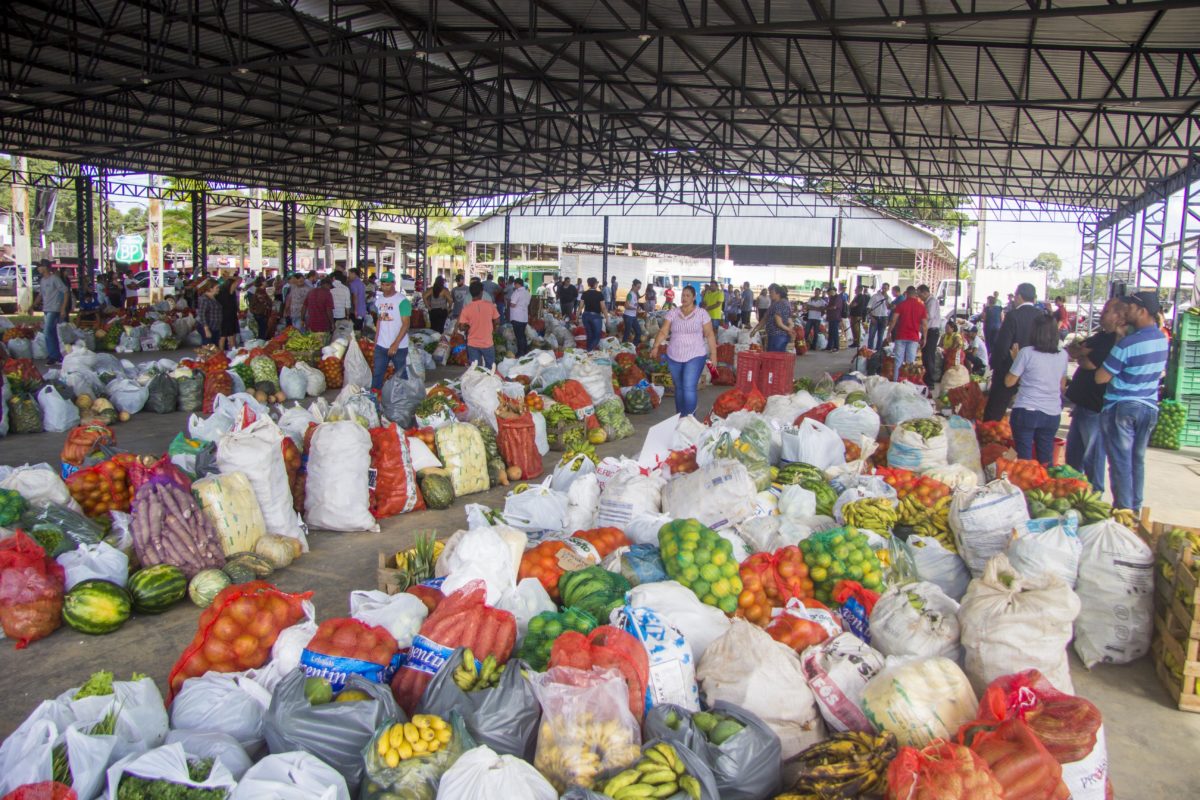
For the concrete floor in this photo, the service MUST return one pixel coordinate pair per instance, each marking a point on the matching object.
(1152, 746)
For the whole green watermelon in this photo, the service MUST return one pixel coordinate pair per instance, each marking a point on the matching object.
(96, 606)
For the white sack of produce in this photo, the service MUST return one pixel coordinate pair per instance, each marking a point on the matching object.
(514, 539)
(58, 414)
(719, 495)
(167, 763)
(916, 619)
(217, 746)
(395, 613)
(337, 497)
(293, 383)
(837, 671)
(898, 402)
(748, 668)
(596, 378)
(88, 561)
(228, 501)
(127, 395)
(582, 500)
(314, 379)
(480, 392)
(919, 444)
(983, 521)
(939, 566)
(291, 776)
(628, 494)
(538, 509)
(479, 554)
(461, 448)
(852, 420)
(956, 476)
(810, 442)
(39, 484)
(700, 624)
(1116, 589)
(355, 369)
(919, 700)
(1012, 623)
(227, 703)
(481, 774)
(962, 446)
(1050, 546)
(256, 452)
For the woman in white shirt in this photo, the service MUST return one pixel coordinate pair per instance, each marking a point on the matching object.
(633, 330)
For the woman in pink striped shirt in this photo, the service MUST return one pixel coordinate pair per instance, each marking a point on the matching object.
(692, 341)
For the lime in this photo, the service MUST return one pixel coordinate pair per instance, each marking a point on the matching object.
(823, 560)
(710, 572)
(721, 587)
(692, 536)
(709, 600)
(855, 572)
(729, 569)
(703, 556)
(684, 558)
(718, 558)
(691, 574)
(701, 587)
(728, 604)
(841, 552)
(855, 557)
(817, 574)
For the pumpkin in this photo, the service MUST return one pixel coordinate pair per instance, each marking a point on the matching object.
(279, 550)
(514, 473)
(437, 489)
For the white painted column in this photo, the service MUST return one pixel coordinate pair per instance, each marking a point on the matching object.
(20, 232)
(254, 250)
(154, 242)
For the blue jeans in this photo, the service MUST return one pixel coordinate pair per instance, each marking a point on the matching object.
(519, 335)
(633, 330)
(906, 353)
(1126, 428)
(877, 332)
(777, 342)
(1085, 445)
(382, 359)
(484, 356)
(811, 328)
(835, 334)
(51, 320)
(593, 325)
(686, 377)
(1034, 428)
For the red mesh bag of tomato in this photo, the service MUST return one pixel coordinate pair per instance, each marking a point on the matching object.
(607, 646)
(1024, 473)
(31, 590)
(344, 646)
(605, 540)
(728, 402)
(46, 790)
(237, 630)
(331, 368)
(941, 771)
(1070, 727)
(994, 432)
(517, 441)
(816, 413)
(216, 382)
(1062, 487)
(779, 576)
(803, 623)
(1019, 761)
(104, 487)
(572, 393)
(462, 619)
(392, 480)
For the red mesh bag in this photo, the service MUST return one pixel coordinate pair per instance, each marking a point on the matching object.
(990, 453)
(967, 400)
(393, 481)
(941, 771)
(104, 487)
(756, 401)
(724, 375)
(237, 630)
(82, 441)
(517, 440)
(816, 413)
(781, 575)
(605, 540)
(161, 470)
(462, 619)
(728, 402)
(572, 393)
(994, 432)
(800, 629)
(31, 590)
(607, 646)
(1019, 762)
(216, 382)
(726, 355)
(293, 462)
(46, 790)
(1024, 473)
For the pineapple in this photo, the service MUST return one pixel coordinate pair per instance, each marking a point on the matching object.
(416, 563)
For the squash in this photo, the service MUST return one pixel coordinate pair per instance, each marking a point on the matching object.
(514, 473)
(239, 572)
(437, 488)
(206, 585)
(279, 550)
(261, 566)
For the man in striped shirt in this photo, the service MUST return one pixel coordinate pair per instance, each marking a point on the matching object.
(1132, 371)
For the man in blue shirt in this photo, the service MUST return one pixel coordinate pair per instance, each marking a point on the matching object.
(1131, 372)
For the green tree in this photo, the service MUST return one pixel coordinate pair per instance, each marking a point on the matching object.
(1050, 263)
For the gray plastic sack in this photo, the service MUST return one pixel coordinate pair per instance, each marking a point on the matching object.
(400, 397)
(504, 718)
(191, 392)
(745, 767)
(163, 394)
(336, 733)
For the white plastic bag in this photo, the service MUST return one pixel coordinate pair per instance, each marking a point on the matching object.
(810, 442)
(538, 509)
(916, 619)
(596, 378)
(718, 495)
(226, 703)
(479, 554)
(293, 383)
(481, 774)
(939, 566)
(962, 446)
(626, 495)
(983, 521)
(1012, 623)
(291, 776)
(525, 601)
(58, 415)
(1116, 589)
(797, 502)
(356, 405)
(211, 744)
(256, 452)
(27, 754)
(355, 369)
(852, 420)
(748, 668)
(956, 476)
(337, 496)
(582, 500)
(919, 700)
(700, 624)
(100, 560)
(567, 471)
(127, 395)
(294, 423)
(644, 528)
(672, 665)
(480, 388)
(314, 379)
(40, 485)
(395, 613)
(899, 402)
(837, 672)
(1047, 546)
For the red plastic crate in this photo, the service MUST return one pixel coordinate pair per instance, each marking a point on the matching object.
(776, 373)
(748, 369)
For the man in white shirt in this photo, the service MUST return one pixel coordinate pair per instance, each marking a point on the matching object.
(341, 297)
(879, 312)
(518, 314)
(933, 337)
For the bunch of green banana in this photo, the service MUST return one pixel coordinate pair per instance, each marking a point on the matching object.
(927, 427)
(1090, 505)
(844, 766)
(873, 513)
(471, 677)
(659, 773)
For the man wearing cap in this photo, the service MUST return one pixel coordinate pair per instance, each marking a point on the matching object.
(391, 331)
(1017, 329)
(1131, 373)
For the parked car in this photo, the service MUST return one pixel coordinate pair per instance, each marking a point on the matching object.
(8, 287)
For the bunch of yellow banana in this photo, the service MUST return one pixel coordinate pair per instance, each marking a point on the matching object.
(574, 750)
(424, 735)
(846, 765)
(1127, 517)
(471, 677)
(660, 773)
(873, 513)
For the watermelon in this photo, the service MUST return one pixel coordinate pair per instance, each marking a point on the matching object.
(826, 494)
(155, 589)
(796, 472)
(96, 606)
(437, 489)
(207, 584)
(637, 401)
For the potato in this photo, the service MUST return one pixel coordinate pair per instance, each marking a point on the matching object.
(124, 416)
